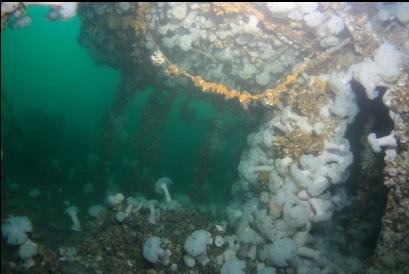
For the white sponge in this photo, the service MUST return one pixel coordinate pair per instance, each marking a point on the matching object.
(335, 25)
(402, 12)
(313, 19)
(280, 252)
(389, 61)
(196, 243)
(384, 69)
(233, 267)
(27, 250)
(281, 9)
(153, 253)
(15, 229)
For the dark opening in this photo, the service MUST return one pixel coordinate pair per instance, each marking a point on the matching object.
(362, 219)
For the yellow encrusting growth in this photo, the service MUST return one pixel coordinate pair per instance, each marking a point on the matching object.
(140, 25)
(269, 96)
(224, 8)
(298, 142)
(263, 178)
(310, 101)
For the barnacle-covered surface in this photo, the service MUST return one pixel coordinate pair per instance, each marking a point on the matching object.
(392, 251)
(298, 143)
(225, 44)
(235, 50)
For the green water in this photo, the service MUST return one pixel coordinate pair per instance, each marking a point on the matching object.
(44, 67)
(60, 100)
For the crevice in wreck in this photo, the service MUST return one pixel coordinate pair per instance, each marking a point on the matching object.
(362, 219)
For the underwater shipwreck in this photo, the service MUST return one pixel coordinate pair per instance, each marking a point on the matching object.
(265, 138)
